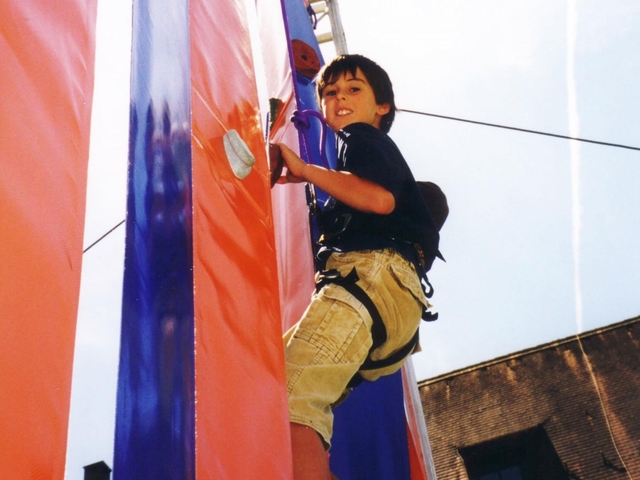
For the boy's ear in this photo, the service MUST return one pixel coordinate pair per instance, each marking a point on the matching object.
(384, 109)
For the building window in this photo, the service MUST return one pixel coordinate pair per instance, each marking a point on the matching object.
(509, 473)
(527, 455)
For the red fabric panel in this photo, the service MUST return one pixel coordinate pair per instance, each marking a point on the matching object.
(415, 417)
(242, 426)
(47, 51)
(415, 457)
(295, 260)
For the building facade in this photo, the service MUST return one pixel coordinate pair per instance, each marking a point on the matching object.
(569, 409)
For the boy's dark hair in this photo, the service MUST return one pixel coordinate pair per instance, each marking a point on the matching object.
(375, 75)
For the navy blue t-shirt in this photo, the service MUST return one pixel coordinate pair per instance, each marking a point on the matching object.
(369, 153)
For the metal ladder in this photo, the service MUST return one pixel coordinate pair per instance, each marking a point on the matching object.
(329, 9)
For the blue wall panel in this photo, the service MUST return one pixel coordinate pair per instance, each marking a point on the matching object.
(155, 404)
(370, 435)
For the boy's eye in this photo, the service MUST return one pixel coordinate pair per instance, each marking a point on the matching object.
(355, 89)
(329, 93)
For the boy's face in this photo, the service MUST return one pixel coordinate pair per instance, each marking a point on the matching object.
(350, 99)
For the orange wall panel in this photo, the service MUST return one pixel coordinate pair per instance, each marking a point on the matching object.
(242, 426)
(47, 52)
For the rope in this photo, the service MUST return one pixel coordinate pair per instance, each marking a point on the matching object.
(594, 379)
(537, 132)
(312, 16)
(302, 123)
(102, 237)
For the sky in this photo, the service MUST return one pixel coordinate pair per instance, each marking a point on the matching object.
(542, 238)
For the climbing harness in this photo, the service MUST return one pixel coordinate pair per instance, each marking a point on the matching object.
(378, 329)
(301, 120)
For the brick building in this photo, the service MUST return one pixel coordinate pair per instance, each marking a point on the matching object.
(569, 409)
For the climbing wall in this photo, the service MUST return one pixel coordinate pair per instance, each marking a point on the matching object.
(201, 380)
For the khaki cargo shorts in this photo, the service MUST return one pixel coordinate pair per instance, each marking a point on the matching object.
(326, 348)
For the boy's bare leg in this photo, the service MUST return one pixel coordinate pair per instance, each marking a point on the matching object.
(310, 461)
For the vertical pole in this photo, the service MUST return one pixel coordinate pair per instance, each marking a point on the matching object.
(339, 39)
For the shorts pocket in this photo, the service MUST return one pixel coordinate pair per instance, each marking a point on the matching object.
(408, 278)
(338, 325)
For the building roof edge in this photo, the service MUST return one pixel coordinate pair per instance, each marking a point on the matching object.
(528, 351)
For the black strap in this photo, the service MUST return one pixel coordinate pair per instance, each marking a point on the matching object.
(404, 352)
(427, 288)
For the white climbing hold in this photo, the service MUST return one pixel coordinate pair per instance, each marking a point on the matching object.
(240, 157)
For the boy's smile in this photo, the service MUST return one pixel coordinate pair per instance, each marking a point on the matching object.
(350, 99)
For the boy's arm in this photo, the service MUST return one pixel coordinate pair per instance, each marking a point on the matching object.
(357, 192)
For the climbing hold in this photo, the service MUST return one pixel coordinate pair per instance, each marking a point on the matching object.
(238, 154)
(276, 162)
(305, 59)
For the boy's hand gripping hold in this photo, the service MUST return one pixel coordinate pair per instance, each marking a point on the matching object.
(354, 191)
(294, 164)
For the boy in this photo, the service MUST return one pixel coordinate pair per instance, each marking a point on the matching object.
(376, 222)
